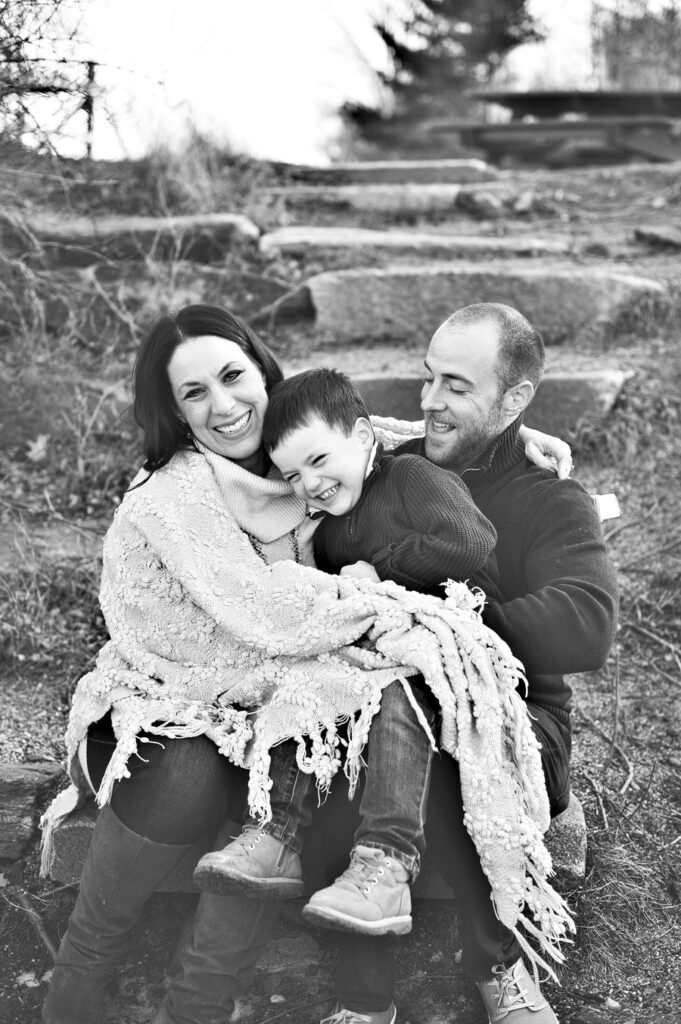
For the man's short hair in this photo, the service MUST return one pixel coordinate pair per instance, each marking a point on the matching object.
(328, 394)
(521, 349)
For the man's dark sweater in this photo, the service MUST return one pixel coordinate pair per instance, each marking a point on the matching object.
(559, 606)
(417, 525)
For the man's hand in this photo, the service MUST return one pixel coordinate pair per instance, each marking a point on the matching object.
(547, 452)
(361, 571)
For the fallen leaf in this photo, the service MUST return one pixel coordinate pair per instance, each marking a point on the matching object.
(28, 979)
(37, 449)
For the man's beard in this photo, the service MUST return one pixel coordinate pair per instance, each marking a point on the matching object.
(463, 445)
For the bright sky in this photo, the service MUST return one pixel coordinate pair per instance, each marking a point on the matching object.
(266, 75)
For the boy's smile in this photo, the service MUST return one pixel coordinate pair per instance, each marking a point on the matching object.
(324, 465)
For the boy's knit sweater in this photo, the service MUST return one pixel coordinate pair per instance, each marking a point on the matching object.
(417, 525)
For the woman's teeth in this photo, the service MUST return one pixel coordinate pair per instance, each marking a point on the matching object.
(232, 428)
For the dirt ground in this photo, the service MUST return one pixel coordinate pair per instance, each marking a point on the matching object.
(627, 756)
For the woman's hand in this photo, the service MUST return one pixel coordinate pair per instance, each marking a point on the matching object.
(361, 571)
(547, 452)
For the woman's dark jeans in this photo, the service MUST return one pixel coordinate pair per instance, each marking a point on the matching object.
(179, 790)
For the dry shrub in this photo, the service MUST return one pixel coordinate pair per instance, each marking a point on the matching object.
(646, 417)
(49, 611)
(626, 907)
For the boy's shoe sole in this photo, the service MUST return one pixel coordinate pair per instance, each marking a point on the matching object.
(221, 881)
(326, 917)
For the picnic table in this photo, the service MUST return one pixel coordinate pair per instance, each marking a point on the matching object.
(572, 126)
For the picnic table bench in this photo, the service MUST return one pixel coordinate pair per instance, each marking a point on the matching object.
(563, 127)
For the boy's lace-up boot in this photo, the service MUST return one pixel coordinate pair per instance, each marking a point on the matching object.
(370, 897)
(342, 1016)
(512, 996)
(254, 863)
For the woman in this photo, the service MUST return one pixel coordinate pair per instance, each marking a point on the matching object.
(190, 577)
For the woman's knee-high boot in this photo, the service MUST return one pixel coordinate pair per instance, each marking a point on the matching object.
(122, 869)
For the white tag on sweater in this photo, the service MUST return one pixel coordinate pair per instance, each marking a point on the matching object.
(608, 506)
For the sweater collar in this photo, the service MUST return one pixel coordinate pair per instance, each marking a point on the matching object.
(501, 454)
(265, 507)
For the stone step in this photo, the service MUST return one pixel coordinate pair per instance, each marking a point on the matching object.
(51, 241)
(348, 245)
(390, 200)
(392, 172)
(566, 840)
(395, 201)
(562, 401)
(397, 303)
(125, 296)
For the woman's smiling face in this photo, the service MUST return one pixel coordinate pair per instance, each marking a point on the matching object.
(220, 394)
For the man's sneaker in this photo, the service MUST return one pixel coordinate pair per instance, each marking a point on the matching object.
(342, 1016)
(255, 863)
(511, 996)
(371, 897)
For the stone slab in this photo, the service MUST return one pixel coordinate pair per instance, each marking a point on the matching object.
(562, 399)
(81, 241)
(398, 200)
(668, 236)
(127, 295)
(566, 841)
(394, 171)
(397, 303)
(315, 242)
(22, 791)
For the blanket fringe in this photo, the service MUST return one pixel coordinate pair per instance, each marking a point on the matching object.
(64, 804)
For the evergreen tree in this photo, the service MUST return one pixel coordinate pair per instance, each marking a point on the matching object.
(442, 48)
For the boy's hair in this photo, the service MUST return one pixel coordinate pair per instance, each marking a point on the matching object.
(328, 394)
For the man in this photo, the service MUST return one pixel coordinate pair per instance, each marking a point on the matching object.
(558, 616)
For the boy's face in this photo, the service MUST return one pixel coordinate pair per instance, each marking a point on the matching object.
(324, 465)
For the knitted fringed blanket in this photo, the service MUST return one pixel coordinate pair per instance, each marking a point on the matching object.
(484, 725)
(206, 639)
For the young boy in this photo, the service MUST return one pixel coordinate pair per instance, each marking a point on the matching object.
(383, 518)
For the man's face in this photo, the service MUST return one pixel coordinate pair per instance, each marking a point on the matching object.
(460, 396)
(324, 465)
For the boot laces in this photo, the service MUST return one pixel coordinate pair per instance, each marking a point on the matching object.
(512, 995)
(363, 874)
(250, 835)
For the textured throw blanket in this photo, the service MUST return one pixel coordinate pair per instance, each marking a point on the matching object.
(206, 638)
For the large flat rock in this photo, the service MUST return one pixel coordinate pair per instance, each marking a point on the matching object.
(314, 242)
(566, 841)
(123, 297)
(393, 172)
(80, 241)
(563, 399)
(397, 303)
(22, 793)
(397, 200)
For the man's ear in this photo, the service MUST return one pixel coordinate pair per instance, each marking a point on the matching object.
(517, 398)
(364, 432)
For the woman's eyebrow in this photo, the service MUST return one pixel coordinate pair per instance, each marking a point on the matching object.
(193, 383)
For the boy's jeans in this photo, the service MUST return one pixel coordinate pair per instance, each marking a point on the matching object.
(393, 804)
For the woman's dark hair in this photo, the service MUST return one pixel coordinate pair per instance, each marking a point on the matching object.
(154, 407)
